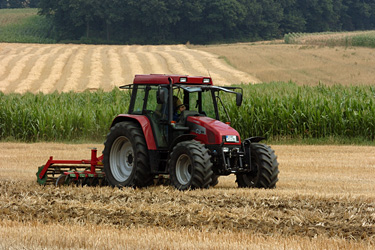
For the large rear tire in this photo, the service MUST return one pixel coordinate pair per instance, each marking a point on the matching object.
(190, 166)
(265, 168)
(125, 157)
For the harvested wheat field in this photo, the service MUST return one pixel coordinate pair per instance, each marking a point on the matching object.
(47, 68)
(63, 68)
(303, 64)
(325, 199)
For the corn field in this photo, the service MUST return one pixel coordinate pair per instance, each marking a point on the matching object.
(273, 110)
(356, 38)
(285, 109)
(60, 117)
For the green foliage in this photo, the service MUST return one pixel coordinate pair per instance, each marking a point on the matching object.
(60, 117)
(204, 21)
(279, 110)
(274, 110)
(362, 39)
(24, 26)
(15, 16)
(194, 21)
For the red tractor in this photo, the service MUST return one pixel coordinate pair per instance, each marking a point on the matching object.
(175, 129)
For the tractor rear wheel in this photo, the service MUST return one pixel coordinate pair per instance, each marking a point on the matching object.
(190, 166)
(125, 157)
(265, 168)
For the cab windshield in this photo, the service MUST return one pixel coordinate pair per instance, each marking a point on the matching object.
(204, 100)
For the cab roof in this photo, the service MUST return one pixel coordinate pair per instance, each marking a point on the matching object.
(176, 79)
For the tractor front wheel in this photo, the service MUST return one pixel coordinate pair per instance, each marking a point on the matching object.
(125, 156)
(265, 169)
(190, 166)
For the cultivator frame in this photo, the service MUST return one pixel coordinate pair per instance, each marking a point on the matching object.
(64, 172)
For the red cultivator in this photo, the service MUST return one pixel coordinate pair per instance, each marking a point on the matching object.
(80, 172)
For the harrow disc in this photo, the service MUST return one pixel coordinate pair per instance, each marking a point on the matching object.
(62, 180)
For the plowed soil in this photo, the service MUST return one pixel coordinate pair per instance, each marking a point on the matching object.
(325, 192)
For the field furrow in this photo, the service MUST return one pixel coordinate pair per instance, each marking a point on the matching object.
(15, 67)
(225, 70)
(35, 72)
(8, 54)
(49, 85)
(135, 65)
(96, 70)
(115, 74)
(158, 64)
(76, 71)
(174, 65)
(198, 67)
(47, 68)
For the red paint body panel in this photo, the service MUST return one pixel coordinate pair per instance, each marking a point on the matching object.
(145, 124)
(214, 128)
(163, 79)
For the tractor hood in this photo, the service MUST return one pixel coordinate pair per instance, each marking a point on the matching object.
(211, 131)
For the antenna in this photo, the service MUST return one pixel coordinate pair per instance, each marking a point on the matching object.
(208, 71)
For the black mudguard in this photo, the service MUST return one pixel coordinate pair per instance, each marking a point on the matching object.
(247, 150)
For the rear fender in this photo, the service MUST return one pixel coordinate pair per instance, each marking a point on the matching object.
(145, 124)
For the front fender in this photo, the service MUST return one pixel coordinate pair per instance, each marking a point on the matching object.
(184, 137)
(255, 139)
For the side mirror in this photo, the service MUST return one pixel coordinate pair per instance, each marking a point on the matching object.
(238, 99)
(161, 95)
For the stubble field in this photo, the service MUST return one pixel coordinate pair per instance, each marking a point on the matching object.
(304, 64)
(325, 198)
(47, 68)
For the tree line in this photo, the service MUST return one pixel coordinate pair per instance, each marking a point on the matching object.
(201, 21)
(12, 4)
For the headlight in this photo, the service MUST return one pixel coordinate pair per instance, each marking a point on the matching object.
(206, 80)
(231, 138)
(183, 79)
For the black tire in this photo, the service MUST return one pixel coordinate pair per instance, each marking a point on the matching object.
(190, 166)
(265, 165)
(215, 180)
(125, 157)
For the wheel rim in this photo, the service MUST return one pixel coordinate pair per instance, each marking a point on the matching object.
(121, 159)
(183, 169)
